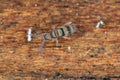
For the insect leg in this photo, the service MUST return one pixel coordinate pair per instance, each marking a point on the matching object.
(56, 41)
(42, 47)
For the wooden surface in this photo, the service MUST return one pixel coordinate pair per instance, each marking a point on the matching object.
(94, 53)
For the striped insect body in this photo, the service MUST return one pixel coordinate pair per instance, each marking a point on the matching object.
(56, 33)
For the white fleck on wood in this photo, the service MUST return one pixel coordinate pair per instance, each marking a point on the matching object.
(36, 5)
(100, 23)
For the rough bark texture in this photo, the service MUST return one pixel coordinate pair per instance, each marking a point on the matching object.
(94, 53)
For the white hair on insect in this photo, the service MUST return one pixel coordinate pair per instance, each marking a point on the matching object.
(29, 36)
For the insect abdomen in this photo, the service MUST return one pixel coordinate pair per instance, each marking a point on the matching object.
(57, 33)
(53, 34)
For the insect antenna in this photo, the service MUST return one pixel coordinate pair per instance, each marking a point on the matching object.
(30, 35)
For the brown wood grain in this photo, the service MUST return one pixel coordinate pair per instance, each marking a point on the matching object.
(94, 53)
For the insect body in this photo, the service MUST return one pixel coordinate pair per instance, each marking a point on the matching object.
(60, 32)
(55, 33)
